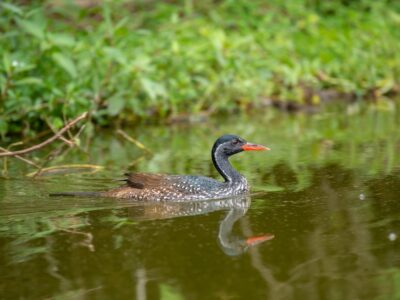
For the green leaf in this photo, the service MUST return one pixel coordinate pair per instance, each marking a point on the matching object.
(29, 80)
(65, 63)
(115, 105)
(115, 54)
(62, 40)
(152, 88)
(3, 127)
(22, 67)
(13, 8)
(31, 28)
(7, 62)
(56, 122)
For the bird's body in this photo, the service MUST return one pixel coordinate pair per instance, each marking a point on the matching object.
(162, 187)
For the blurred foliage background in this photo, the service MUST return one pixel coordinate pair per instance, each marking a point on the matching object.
(134, 60)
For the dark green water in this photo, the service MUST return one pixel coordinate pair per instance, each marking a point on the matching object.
(326, 199)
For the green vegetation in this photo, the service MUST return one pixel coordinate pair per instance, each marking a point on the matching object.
(127, 61)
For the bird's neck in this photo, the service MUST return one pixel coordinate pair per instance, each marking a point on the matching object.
(224, 167)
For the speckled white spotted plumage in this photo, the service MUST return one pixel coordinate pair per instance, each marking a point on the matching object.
(161, 187)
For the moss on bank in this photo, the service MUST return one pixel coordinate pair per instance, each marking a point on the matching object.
(129, 61)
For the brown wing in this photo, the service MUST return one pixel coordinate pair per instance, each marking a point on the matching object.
(146, 180)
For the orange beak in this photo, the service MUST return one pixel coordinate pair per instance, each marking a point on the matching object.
(254, 147)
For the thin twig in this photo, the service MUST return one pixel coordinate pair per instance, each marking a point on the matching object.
(136, 161)
(49, 170)
(132, 140)
(68, 142)
(29, 162)
(75, 138)
(4, 172)
(62, 138)
(57, 152)
(48, 141)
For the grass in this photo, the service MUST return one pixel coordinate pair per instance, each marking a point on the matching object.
(127, 62)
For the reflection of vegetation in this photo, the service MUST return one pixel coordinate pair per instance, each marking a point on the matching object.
(390, 278)
(117, 221)
(29, 233)
(169, 293)
(127, 60)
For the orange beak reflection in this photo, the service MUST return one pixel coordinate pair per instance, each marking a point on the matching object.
(254, 240)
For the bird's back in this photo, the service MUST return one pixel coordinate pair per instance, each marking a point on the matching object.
(160, 187)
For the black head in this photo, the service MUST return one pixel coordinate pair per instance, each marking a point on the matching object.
(230, 144)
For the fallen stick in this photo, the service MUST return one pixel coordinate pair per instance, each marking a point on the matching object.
(46, 142)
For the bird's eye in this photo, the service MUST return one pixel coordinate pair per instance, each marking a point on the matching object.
(235, 142)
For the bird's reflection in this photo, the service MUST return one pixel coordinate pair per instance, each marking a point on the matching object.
(232, 244)
(236, 208)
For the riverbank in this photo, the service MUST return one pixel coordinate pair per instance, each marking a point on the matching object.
(160, 61)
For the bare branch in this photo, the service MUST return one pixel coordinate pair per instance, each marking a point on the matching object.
(29, 162)
(68, 142)
(61, 138)
(48, 141)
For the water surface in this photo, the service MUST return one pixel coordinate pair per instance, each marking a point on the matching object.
(323, 220)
